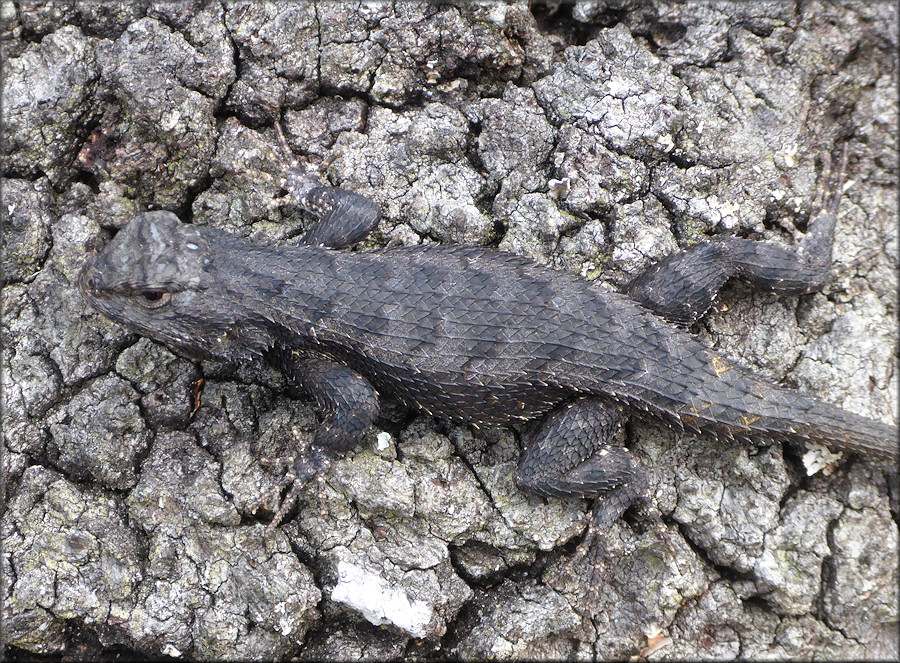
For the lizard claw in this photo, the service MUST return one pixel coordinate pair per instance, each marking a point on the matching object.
(289, 500)
(258, 503)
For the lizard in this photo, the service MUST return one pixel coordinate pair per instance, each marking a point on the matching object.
(474, 335)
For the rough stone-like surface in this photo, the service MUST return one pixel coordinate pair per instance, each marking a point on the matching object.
(49, 94)
(596, 138)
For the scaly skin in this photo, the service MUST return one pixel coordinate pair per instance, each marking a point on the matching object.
(473, 335)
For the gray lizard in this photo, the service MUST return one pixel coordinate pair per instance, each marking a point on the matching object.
(473, 335)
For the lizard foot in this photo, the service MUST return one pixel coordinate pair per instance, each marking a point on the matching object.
(303, 467)
(289, 500)
(597, 542)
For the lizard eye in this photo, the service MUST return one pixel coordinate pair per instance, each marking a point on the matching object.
(154, 298)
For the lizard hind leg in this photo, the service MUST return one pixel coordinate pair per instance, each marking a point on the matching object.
(571, 454)
(683, 286)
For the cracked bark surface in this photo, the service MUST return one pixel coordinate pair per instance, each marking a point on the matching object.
(596, 139)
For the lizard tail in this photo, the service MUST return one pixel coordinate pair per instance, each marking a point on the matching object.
(710, 393)
(833, 426)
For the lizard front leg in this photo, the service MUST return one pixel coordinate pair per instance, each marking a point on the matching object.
(349, 405)
(345, 217)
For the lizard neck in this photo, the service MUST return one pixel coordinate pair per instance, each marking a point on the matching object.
(291, 292)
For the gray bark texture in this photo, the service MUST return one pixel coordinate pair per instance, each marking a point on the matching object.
(595, 137)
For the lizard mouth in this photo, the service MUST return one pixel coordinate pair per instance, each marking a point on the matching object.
(91, 285)
(88, 279)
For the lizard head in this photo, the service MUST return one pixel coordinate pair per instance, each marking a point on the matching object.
(157, 277)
